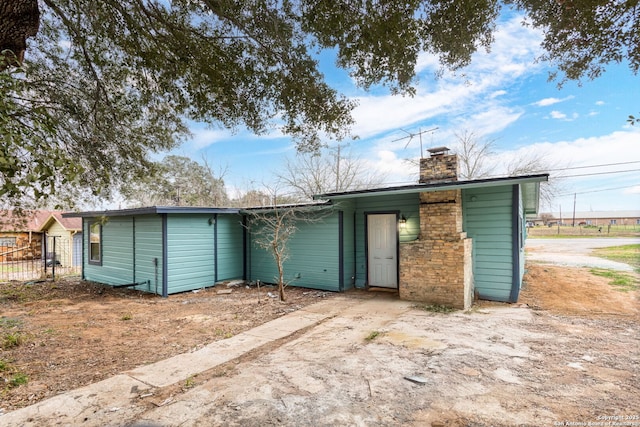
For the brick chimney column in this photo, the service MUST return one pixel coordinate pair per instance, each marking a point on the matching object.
(437, 268)
(439, 168)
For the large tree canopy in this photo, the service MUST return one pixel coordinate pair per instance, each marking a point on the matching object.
(177, 181)
(104, 82)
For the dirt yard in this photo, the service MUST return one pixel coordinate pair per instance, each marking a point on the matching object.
(70, 333)
(568, 352)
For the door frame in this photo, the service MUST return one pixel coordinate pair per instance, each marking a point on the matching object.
(366, 244)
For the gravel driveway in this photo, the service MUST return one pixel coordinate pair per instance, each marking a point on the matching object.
(576, 252)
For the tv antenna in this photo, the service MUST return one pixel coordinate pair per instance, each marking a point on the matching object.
(411, 135)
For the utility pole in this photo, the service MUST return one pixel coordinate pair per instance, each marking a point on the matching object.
(573, 222)
(560, 222)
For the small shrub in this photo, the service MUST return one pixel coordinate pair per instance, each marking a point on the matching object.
(436, 308)
(11, 341)
(18, 380)
(127, 316)
(189, 382)
(372, 336)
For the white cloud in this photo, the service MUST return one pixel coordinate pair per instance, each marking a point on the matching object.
(476, 88)
(632, 190)
(396, 170)
(612, 148)
(600, 102)
(557, 115)
(203, 138)
(491, 120)
(550, 101)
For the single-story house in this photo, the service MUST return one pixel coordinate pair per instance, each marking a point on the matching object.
(440, 241)
(64, 238)
(31, 235)
(163, 250)
(20, 235)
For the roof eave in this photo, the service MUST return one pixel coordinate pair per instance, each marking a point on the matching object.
(440, 186)
(150, 211)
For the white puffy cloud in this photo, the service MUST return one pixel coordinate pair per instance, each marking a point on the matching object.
(551, 101)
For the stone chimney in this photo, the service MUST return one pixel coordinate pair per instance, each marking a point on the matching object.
(437, 267)
(439, 166)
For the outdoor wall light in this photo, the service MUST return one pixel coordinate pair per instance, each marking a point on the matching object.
(403, 222)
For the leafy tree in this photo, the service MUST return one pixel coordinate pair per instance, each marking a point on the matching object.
(177, 181)
(104, 82)
(264, 197)
(326, 171)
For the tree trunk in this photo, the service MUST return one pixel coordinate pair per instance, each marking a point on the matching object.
(280, 277)
(19, 19)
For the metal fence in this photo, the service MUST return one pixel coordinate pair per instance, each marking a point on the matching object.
(59, 256)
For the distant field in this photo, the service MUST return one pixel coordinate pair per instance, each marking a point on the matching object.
(584, 231)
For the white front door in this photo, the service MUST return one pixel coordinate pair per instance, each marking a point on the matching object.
(382, 250)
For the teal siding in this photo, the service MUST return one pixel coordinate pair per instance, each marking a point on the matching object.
(148, 251)
(349, 247)
(313, 257)
(117, 252)
(230, 251)
(190, 252)
(405, 204)
(488, 221)
(119, 265)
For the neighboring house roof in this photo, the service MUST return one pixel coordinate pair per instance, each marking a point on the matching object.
(151, 210)
(29, 221)
(530, 189)
(69, 224)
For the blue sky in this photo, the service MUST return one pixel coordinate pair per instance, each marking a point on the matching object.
(503, 95)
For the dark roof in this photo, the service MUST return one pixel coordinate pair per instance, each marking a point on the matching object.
(436, 186)
(153, 210)
(314, 204)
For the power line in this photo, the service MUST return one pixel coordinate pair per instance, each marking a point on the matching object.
(600, 173)
(599, 191)
(587, 167)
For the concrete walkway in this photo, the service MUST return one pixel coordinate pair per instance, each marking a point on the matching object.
(112, 401)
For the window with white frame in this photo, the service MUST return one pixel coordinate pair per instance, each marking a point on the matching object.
(95, 243)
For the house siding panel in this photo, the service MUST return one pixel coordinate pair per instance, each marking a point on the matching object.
(117, 252)
(230, 247)
(148, 252)
(348, 247)
(487, 220)
(191, 252)
(313, 261)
